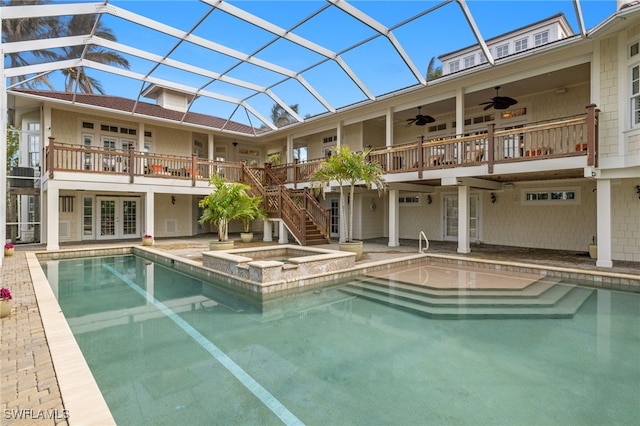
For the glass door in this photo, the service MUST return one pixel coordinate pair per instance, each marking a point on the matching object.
(107, 219)
(118, 217)
(334, 221)
(451, 217)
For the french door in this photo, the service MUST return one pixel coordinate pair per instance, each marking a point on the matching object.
(118, 217)
(451, 217)
(334, 219)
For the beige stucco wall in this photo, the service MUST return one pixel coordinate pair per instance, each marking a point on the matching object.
(510, 221)
(67, 128)
(625, 221)
(172, 220)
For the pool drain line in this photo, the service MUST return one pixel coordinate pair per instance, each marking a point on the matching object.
(247, 381)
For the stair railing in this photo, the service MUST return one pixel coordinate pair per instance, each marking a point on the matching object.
(422, 236)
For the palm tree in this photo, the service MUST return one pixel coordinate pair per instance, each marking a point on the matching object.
(433, 72)
(228, 201)
(280, 117)
(84, 24)
(14, 30)
(349, 168)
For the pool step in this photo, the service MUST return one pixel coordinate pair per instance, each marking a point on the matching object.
(552, 301)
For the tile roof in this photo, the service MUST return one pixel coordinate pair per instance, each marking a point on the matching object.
(142, 108)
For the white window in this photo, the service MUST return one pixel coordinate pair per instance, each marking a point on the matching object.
(541, 38)
(87, 141)
(413, 200)
(635, 95)
(33, 137)
(483, 58)
(502, 51)
(469, 61)
(554, 196)
(521, 44)
(454, 66)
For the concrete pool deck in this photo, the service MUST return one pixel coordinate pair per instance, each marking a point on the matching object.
(30, 383)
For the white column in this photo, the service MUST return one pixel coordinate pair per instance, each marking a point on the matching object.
(52, 217)
(394, 219)
(283, 233)
(211, 150)
(289, 149)
(339, 134)
(267, 231)
(604, 223)
(3, 159)
(463, 219)
(389, 127)
(149, 213)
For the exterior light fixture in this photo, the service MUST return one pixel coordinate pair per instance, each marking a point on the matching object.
(493, 198)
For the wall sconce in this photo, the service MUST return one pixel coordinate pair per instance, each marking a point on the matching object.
(492, 196)
(234, 143)
(173, 199)
(429, 200)
(638, 190)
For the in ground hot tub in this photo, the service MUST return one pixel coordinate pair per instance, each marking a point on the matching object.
(279, 263)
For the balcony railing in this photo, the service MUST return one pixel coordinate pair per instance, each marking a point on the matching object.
(566, 137)
(62, 157)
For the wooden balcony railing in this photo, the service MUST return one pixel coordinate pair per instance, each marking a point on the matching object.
(565, 137)
(76, 158)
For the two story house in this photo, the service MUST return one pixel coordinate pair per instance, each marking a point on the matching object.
(540, 149)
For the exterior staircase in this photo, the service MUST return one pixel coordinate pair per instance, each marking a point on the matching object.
(302, 214)
(545, 298)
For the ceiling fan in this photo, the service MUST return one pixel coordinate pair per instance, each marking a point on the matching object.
(499, 102)
(420, 120)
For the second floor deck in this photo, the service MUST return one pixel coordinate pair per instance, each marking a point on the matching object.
(565, 137)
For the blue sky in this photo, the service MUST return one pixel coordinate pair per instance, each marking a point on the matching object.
(375, 62)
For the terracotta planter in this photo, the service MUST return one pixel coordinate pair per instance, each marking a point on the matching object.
(353, 247)
(9, 251)
(156, 168)
(246, 237)
(221, 245)
(147, 241)
(5, 307)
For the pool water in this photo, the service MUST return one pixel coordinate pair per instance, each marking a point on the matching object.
(166, 348)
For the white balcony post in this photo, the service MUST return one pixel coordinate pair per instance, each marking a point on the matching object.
(603, 195)
(394, 219)
(52, 217)
(463, 219)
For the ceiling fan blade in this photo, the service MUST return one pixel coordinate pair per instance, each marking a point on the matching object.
(427, 118)
(488, 106)
(505, 100)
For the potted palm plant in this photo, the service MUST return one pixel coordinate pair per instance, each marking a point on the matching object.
(349, 168)
(228, 201)
(250, 210)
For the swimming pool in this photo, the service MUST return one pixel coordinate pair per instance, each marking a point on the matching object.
(166, 348)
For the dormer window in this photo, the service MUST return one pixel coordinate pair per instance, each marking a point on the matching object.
(541, 38)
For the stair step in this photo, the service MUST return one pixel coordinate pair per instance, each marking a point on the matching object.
(536, 288)
(564, 307)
